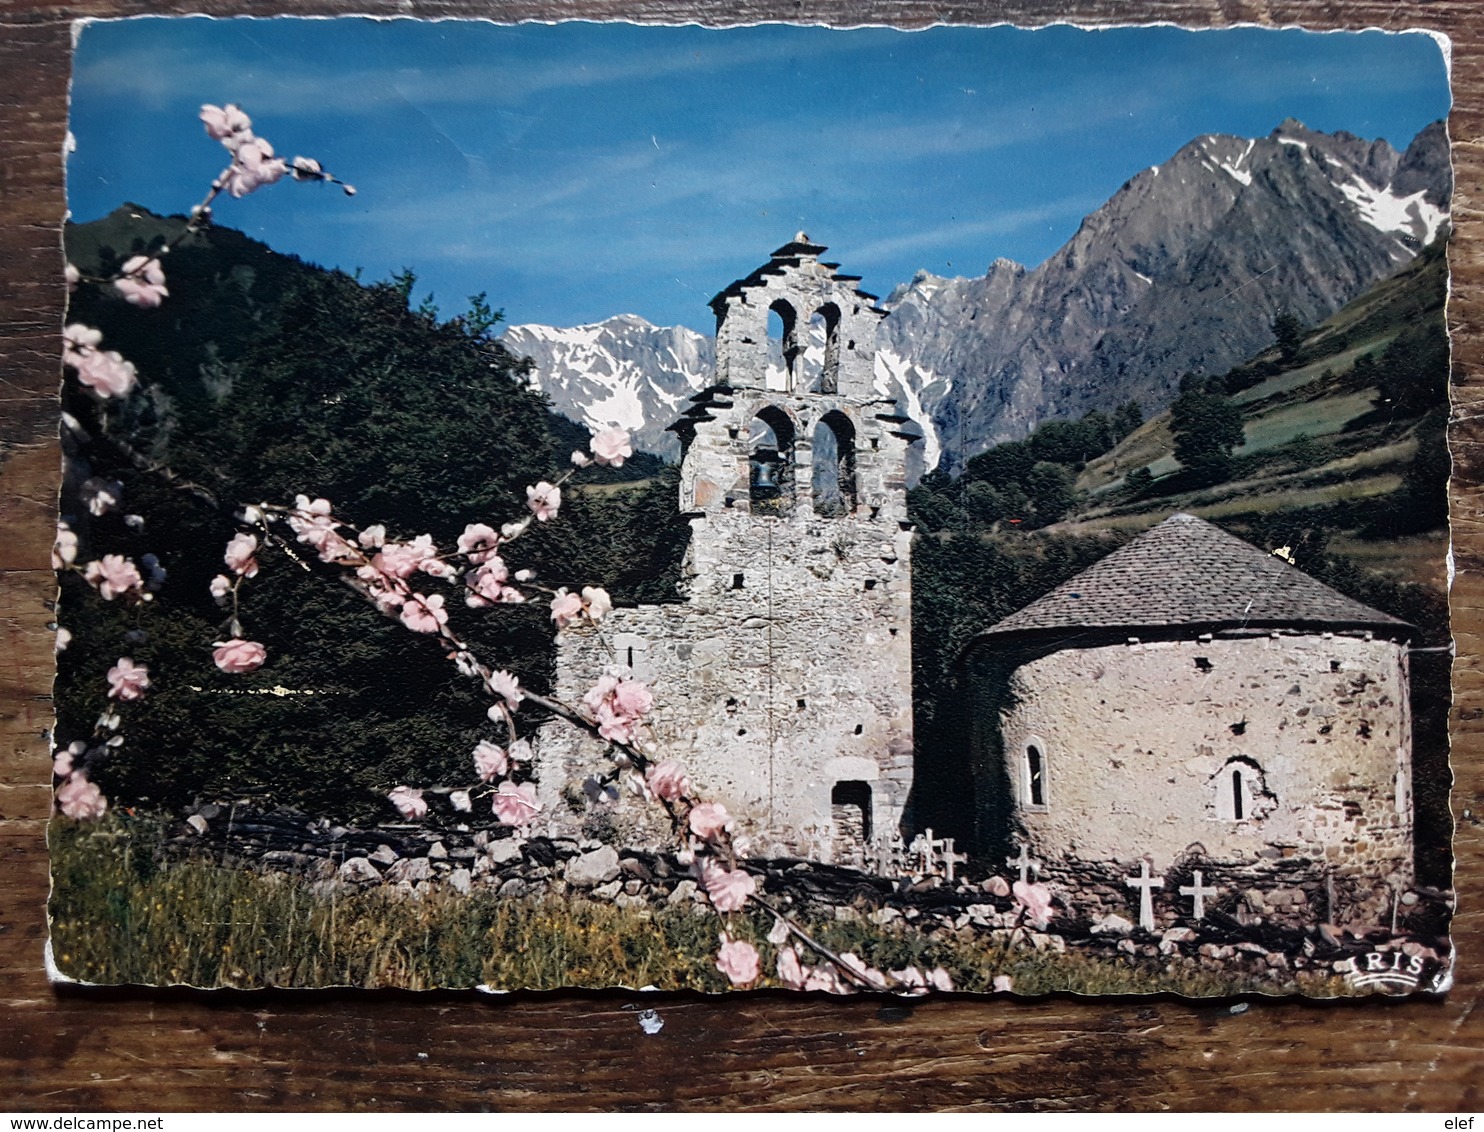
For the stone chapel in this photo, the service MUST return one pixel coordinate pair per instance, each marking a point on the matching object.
(783, 679)
(1191, 702)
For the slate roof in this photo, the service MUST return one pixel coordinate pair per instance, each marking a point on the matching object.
(1187, 572)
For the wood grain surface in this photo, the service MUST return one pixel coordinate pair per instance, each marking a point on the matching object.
(70, 1049)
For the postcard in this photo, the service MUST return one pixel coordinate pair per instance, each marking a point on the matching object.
(849, 511)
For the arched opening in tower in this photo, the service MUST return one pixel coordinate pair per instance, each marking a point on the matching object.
(834, 466)
(771, 462)
(783, 346)
(825, 323)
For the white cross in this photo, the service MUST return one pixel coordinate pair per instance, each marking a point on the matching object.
(1024, 864)
(1199, 894)
(1146, 885)
(923, 845)
(896, 850)
(950, 858)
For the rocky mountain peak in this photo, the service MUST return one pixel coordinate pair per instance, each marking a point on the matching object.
(1183, 269)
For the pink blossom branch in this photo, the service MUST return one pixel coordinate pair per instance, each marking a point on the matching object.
(859, 977)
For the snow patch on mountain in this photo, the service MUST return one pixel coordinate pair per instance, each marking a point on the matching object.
(902, 380)
(1413, 215)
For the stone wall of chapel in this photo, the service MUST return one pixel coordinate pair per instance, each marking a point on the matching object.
(1137, 739)
(771, 690)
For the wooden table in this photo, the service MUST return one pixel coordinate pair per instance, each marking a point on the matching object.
(63, 1050)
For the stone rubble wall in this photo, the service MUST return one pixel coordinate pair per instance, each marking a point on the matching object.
(1294, 893)
(415, 862)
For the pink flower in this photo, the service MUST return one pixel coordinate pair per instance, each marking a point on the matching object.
(64, 638)
(101, 495)
(520, 751)
(62, 763)
(115, 576)
(127, 680)
(387, 592)
(64, 550)
(239, 556)
(424, 614)
(312, 521)
(307, 169)
(791, 972)
(404, 559)
(728, 888)
(226, 124)
(506, 686)
(485, 586)
(565, 608)
(617, 706)
(738, 961)
(668, 780)
(580, 459)
(708, 820)
(238, 656)
(409, 802)
(600, 691)
(543, 500)
(460, 801)
(372, 537)
(105, 373)
(78, 337)
(611, 446)
(632, 698)
(478, 543)
(1003, 984)
(855, 963)
(72, 276)
(221, 586)
(1036, 900)
(80, 799)
(142, 282)
(516, 805)
(490, 761)
(253, 166)
(825, 978)
(596, 603)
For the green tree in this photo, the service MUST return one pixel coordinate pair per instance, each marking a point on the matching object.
(1207, 427)
(1050, 489)
(1126, 418)
(336, 389)
(984, 503)
(1139, 481)
(1412, 375)
(1288, 332)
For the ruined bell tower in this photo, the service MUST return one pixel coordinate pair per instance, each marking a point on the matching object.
(784, 679)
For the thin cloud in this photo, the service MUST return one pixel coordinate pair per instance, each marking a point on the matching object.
(950, 236)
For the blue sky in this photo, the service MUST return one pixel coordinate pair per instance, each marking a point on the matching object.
(576, 171)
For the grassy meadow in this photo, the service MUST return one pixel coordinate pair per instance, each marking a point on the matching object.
(119, 915)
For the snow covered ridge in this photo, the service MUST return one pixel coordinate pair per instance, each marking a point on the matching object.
(627, 372)
(1409, 216)
(622, 372)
